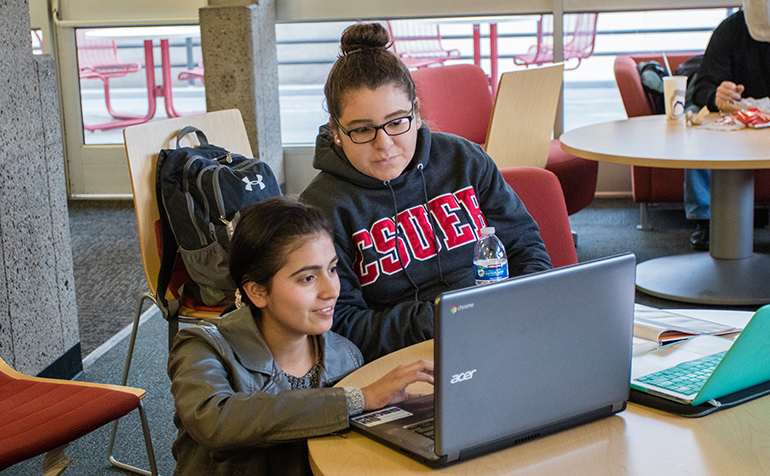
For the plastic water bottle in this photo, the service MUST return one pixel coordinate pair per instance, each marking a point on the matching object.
(489, 258)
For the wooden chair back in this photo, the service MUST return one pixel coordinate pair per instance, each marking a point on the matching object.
(523, 116)
(144, 142)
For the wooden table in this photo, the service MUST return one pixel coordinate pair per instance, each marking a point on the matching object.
(639, 441)
(731, 273)
(148, 35)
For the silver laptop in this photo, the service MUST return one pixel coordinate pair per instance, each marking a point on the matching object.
(518, 360)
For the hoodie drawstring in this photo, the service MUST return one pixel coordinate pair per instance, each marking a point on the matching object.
(398, 252)
(433, 226)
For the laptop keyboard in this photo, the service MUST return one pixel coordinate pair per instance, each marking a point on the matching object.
(686, 378)
(425, 428)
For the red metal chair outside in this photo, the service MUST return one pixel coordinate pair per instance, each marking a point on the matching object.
(98, 59)
(193, 74)
(418, 43)
(579, 39)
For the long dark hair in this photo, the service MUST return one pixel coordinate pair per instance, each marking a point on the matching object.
(365, 62)
(266, 234)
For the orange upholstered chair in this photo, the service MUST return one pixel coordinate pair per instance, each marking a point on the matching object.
(457, 99)
(40, 414)
(539, 190)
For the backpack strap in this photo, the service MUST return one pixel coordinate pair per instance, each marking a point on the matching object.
(168, 244)
(188, 129)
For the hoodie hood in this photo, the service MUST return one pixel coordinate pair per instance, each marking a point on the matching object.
(757, 14)
(331, 158)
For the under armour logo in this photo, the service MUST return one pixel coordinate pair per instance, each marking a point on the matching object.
(250, 183)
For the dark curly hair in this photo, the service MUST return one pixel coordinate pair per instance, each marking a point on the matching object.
(365, 62)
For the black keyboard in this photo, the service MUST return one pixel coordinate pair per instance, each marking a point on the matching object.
(425, 428)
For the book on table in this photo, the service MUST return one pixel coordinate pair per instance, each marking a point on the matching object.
(656, 327)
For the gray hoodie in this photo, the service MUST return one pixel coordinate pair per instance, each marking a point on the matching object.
(387, 292)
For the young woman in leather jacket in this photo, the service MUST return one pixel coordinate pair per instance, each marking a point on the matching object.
(251, 386)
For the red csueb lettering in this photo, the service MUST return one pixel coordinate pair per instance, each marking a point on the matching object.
(419, 236)
(418, 232)
(467, 197)
(456, 233)
(367, 274)
(384, 235)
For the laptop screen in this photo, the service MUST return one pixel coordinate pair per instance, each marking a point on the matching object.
(532, 351)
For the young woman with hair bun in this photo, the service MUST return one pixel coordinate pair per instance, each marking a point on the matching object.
(407, 204)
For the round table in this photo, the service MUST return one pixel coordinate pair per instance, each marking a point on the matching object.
(731, 273)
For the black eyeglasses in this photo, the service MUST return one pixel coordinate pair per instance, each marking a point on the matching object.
(396, 127)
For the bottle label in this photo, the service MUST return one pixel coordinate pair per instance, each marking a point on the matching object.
(490, 273)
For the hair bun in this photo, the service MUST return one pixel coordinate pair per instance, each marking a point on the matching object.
(364, 35)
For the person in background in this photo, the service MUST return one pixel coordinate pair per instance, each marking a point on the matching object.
(407, 204)
(251, 386)
(736, 65)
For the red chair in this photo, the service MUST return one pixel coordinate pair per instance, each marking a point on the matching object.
(539, 190)
(39, 415)
(418, 43)
(579, 40)
(457, 99)
(98, 59)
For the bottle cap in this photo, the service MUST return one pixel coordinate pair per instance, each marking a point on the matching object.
(488, 230)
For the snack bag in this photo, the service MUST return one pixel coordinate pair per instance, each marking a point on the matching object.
(753, 117)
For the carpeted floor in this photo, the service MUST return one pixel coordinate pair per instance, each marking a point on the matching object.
(109, 276)
(608, 226)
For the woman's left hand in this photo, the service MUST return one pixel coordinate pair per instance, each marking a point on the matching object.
(392, 387)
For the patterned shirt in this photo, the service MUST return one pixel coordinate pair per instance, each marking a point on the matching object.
(353, 396)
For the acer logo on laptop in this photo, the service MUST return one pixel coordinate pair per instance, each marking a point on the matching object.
(463, 376)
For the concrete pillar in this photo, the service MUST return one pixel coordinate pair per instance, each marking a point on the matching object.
(38, 313)
(241, 70)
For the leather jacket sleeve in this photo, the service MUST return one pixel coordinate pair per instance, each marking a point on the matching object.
(225, 406)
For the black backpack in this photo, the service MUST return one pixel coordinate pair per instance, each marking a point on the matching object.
(201, 191)
(690, 69)
(651, 74)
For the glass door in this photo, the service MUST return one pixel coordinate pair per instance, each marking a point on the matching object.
(117, 69)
